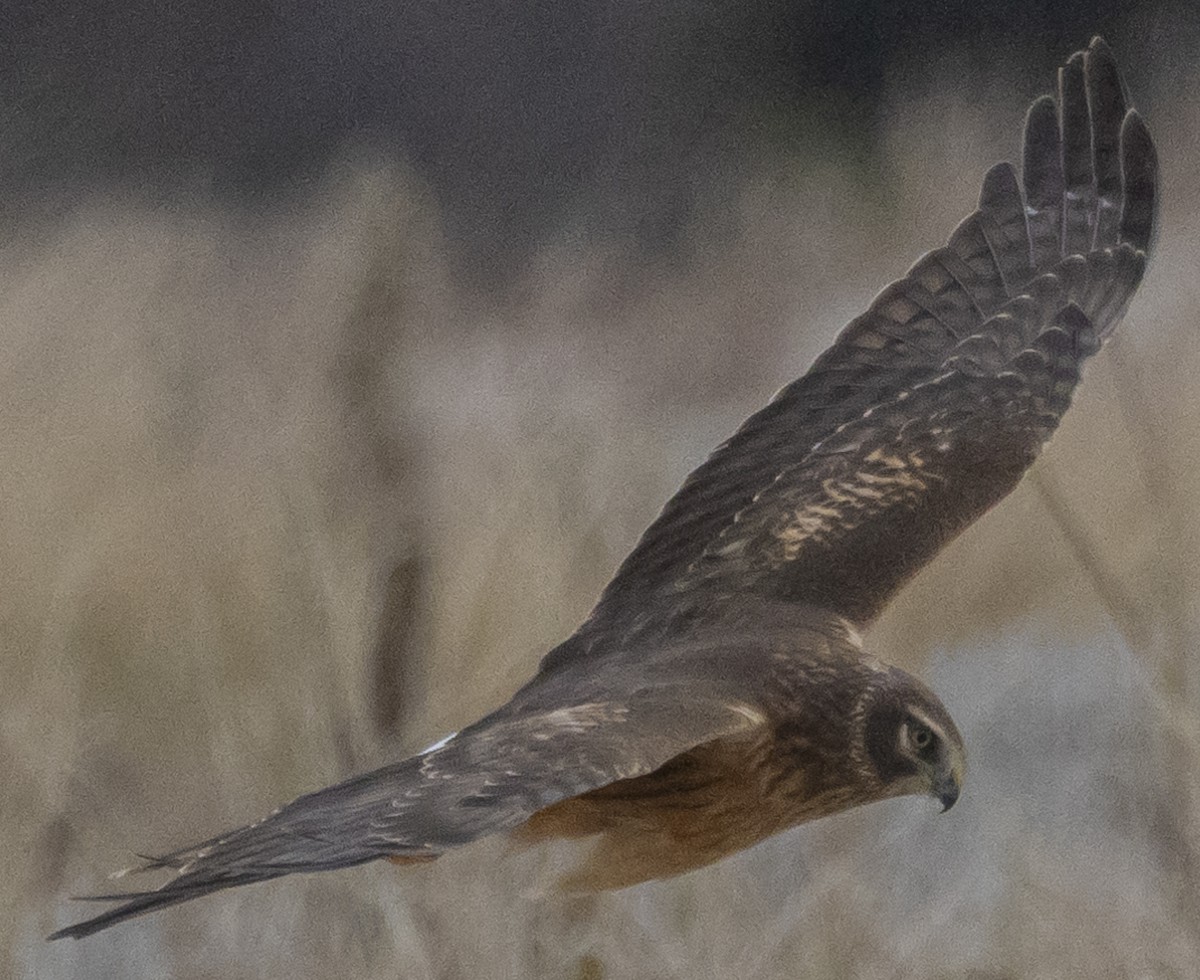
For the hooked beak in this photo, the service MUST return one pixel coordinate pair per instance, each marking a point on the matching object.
(948, 786)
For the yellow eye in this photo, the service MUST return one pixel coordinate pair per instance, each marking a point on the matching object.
(922, 738)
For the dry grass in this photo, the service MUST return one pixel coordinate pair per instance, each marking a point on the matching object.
(233, 449)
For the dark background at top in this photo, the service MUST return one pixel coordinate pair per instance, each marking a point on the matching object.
(516, 113)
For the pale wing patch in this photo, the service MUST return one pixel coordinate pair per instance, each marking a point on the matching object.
(750, 713)
(577, 718)
(853, 635)
(441, 742)
(843, 503)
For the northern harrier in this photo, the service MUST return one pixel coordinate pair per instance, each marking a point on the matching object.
(719, 692)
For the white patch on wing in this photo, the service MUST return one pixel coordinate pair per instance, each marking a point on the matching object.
(581, 717)
(807, 523)
(844, 503)
(852, 634)
(751, 714)
(908, 461)
(438, 744)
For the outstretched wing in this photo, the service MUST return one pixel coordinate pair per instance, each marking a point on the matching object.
(487, 779)
(928, 407)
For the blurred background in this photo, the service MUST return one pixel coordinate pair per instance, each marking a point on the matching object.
(347, 348)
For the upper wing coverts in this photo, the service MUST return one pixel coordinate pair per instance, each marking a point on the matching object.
(1071, 234)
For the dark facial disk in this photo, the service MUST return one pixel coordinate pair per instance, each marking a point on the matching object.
(910, 738)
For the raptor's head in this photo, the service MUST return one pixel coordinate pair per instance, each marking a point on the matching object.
(909, 741)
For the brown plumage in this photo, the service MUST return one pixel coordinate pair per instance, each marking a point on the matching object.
(719, 693)
(819, 697)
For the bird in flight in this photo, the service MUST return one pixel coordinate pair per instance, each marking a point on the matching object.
(719, 692)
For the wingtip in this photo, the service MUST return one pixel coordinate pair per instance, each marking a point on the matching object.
(81, 930)
(999, 183)
(1071, 80)
(1041, 104)
(1100, 54)
(1136, 139)
(77, 930)
(1139, 164)
(1099, 61)
(1041, 112)
(1041, 159)
(130, 905)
